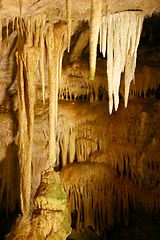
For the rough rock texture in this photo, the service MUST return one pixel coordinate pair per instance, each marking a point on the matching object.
(81, 9)
(50, 219)
(114, 157)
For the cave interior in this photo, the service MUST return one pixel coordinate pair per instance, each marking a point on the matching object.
(79, 119)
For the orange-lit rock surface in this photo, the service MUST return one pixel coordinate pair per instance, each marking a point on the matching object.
(53, 114)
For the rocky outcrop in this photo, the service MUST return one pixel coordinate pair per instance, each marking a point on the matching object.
(50, 219)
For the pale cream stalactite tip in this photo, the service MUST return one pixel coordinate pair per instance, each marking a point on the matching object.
(124, 30)
(69, 15)
(96, 11)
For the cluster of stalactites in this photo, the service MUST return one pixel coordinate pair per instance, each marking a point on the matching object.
(33, 35)
(101, 200)
(28, 57)
(121, 33)
(124, 30)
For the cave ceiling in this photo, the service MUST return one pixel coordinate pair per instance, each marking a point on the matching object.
(56, 10)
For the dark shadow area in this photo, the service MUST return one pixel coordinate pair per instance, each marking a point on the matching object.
(9, 190)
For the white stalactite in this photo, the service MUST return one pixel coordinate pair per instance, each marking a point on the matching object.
(103, 32)
(132, 55)
(96, 11)
(124, 31)
(110, 62)
(104, 35)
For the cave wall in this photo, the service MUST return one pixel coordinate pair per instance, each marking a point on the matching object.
(126, 141)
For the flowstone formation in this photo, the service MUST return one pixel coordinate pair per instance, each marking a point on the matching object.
(50, 219)
(101, 198)
(65, 70)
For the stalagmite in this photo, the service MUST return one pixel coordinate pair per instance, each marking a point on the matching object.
(69, 13)
(122, 44)
(96, 10)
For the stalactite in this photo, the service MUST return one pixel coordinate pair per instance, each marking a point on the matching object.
(52, 74)
(69, 14)
(20, 6)
(96, 10)
(103, 33)
(37, 30)
(54, 40)
(104, 36)
(42, 51)
(23, 141)
(132, 54)
(88, 195)
(27, 59)
(13, 24)
(101, 198)
(65, 146)
(72, 145)
(122, 46)
(7, 26)
(110, 62)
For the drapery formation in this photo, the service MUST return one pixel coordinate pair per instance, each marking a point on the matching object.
(100, 198)
(32, 35)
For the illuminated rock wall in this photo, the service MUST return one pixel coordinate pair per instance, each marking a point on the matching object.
(55, 115)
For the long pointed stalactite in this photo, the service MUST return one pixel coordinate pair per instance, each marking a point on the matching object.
(122, 44)
(55, 42)
(101, 199)
(69, 15)
(42, 53)
(28, 59)
(96, 11)
(32, 37)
